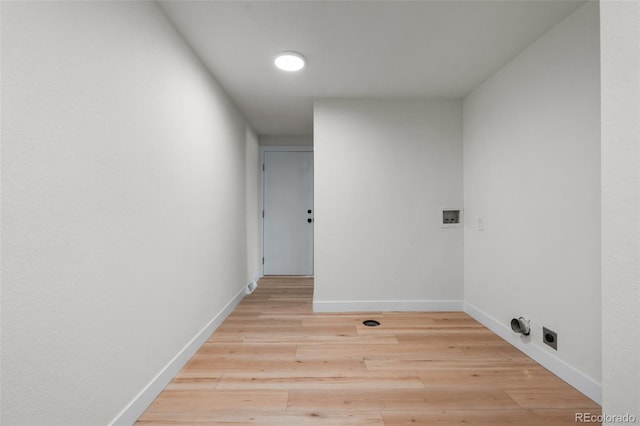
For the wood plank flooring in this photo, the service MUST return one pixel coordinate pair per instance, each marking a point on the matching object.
(274, 362)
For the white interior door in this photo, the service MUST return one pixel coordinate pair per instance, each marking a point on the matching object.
(288, 213)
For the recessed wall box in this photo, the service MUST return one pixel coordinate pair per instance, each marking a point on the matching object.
(550, 338)
(450, 218)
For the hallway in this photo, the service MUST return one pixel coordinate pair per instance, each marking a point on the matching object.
(274, 362)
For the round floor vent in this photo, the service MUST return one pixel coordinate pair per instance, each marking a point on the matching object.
(371, 323)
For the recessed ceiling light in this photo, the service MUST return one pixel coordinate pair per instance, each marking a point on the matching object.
(290, 61)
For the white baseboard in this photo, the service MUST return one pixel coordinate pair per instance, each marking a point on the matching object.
(560, 368)
(387, 306)
(143, 400)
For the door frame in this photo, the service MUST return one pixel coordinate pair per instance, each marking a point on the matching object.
(271, 148)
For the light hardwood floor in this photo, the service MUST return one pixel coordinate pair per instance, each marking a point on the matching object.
(274, 362)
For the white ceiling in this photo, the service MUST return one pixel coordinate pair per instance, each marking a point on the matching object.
(426, 49)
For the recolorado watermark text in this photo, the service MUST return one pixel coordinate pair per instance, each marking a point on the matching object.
(605, 418)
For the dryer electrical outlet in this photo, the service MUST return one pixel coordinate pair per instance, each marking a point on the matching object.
(550, 338)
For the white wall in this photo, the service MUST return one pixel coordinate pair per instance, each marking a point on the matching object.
(620, 51)
(272, 140)
(383, 168)
(252, 168)
(532, 175)
(123, 205)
